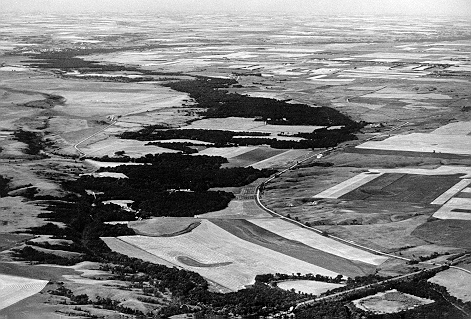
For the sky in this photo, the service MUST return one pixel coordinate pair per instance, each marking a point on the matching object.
(379, 7)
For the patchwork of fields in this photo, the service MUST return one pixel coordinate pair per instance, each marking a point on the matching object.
(227, 259)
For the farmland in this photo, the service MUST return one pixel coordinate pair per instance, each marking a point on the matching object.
(13, 289)
(97, 109)
(235, 261)
(391, 301)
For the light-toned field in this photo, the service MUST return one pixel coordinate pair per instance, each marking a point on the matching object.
(422, 142)
(132, 148)
(308, 286)
(280, 160)
(446, 196)
(315, 240)
(227, 152)
(390, 301)
(348, 185)
(457, 283)
(457, 128)
(238, 209)
(455, 208)
(98, 164)
(393, 93)
(231, 261)
(163, 226)
(133, 251)
(241, 124)
(14, 289)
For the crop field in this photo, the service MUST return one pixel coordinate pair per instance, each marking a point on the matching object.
(241, 124)
(13, 289)
(254, 156)
(457, 128)
(163, 226)
(423, 142)
(227, 152)
(348, 185)
(122, 247)
(390, 301)
(456, 282)
(132, 148)
(404, 188)
(234, 262)
(455, 208)
(281, 160)
(308, 286)
(260, 236)
(238, 209)
(317, 241)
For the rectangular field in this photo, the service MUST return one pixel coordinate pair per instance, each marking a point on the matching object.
(422, 142)
(317, 241)
(221, 257)
(348, 185)
(455, 208)
(256, 155)
(411, 188)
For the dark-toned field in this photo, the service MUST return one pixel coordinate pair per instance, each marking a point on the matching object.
(404, 188)
(257, 235)
(447, 232)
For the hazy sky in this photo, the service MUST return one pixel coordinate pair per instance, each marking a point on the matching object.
(423, 7)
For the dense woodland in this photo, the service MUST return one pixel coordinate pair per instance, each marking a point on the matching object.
(210, 94)
(171, 184)
(321, 138)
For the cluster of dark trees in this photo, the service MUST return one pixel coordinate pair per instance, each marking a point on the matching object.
(33, 140)
(210, 94)
(322, 138)
(170, 184)
(270, 278)
(4, 186)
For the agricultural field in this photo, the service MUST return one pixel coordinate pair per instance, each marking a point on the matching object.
(308, 286)
(456, 282)
(14, 289)
(227, 259)
(316, 240)
(164, 226)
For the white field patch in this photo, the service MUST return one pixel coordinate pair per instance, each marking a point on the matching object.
(14, 289)
(122, 247)
(132, 148)
(393, 93)
(227, 152)
(308, 286)
(348, 185)
(390, 301)
(455, 208)
(280, 159)
(457, 283)
(317, 241)
(446, 196)
(98, 164)
(422, 142)
(222, 257)
(241, 124)
(458, 128)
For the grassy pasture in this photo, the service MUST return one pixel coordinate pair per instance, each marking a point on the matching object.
(240, 261)
(447, 232)
(260, 236)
